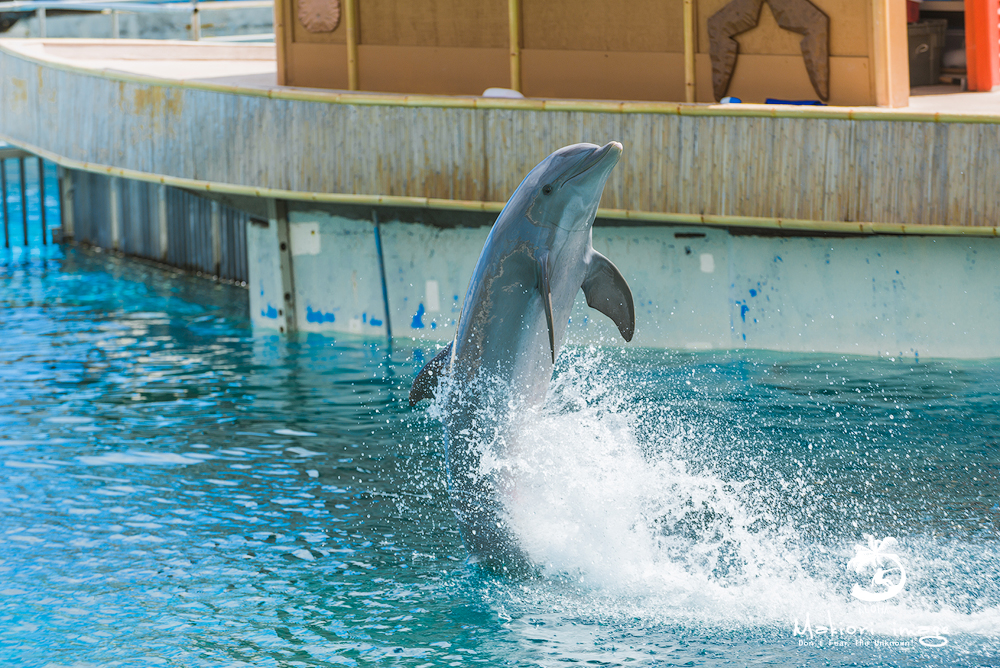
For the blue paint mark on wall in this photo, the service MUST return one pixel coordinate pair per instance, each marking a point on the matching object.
(434, 325)
(777, 258)
(753, 293)
(271, 312)
(743, 310)
(375, 322)
(418, 318)
(318, 316)
(364, 317)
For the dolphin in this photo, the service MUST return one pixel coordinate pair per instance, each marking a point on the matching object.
(537, 257)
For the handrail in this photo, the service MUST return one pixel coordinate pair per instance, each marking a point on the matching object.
(116, 7)
(129, 6)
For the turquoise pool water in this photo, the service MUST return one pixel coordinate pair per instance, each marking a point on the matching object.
(178, 491)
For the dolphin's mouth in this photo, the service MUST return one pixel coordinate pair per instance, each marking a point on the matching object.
(609, 153)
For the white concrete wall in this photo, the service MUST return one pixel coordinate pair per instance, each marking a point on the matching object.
(877, 295)
(338, 287)
(264, 284)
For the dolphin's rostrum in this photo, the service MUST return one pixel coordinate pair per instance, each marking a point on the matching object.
(537, 257)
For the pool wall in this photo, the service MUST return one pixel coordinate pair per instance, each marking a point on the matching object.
(695, 288)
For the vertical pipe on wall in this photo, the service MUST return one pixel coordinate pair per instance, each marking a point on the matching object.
(514, 24)
(351, 21)
(116, 31)
(40, 13)
(381, 270)
(161, 210)
(690, 35)
(116, 214)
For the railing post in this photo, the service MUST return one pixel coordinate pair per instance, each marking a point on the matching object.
(115, 25)
(195, 21)
(40, 13)
(116, 215)
(24, 203)
(216, 239)
(41, 198)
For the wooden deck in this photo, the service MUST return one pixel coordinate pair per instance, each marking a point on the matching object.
(210, 117)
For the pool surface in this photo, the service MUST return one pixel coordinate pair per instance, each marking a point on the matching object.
(178, 491)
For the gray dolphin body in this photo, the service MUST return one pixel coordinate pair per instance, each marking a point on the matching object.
(537, 257)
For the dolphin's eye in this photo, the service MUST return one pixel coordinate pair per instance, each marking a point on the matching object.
(546, 189)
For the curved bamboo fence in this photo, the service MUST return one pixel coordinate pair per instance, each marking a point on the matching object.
(875, 170)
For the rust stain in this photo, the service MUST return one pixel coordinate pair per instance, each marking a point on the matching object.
(157, 100)
(175, 101)
(147, 101)
(20, 87)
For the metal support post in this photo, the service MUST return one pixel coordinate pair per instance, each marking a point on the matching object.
(24, 202)
(41, 199)
(195, 21)
(161, 211)
(216, 239)
(116, 214)
(40, 14)
(6, 210)
(66, 203)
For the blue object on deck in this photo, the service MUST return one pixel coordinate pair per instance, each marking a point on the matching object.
(801, 103)
(730, 100)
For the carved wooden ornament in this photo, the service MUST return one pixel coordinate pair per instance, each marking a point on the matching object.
(319, 15)
(800, 16)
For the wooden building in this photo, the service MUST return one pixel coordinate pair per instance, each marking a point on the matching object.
(656, 50)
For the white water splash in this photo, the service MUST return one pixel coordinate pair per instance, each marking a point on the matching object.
(632, 518)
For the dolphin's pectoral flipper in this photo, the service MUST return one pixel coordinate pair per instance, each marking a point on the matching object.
(426, 381)
(607, 291)
(546, 291)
